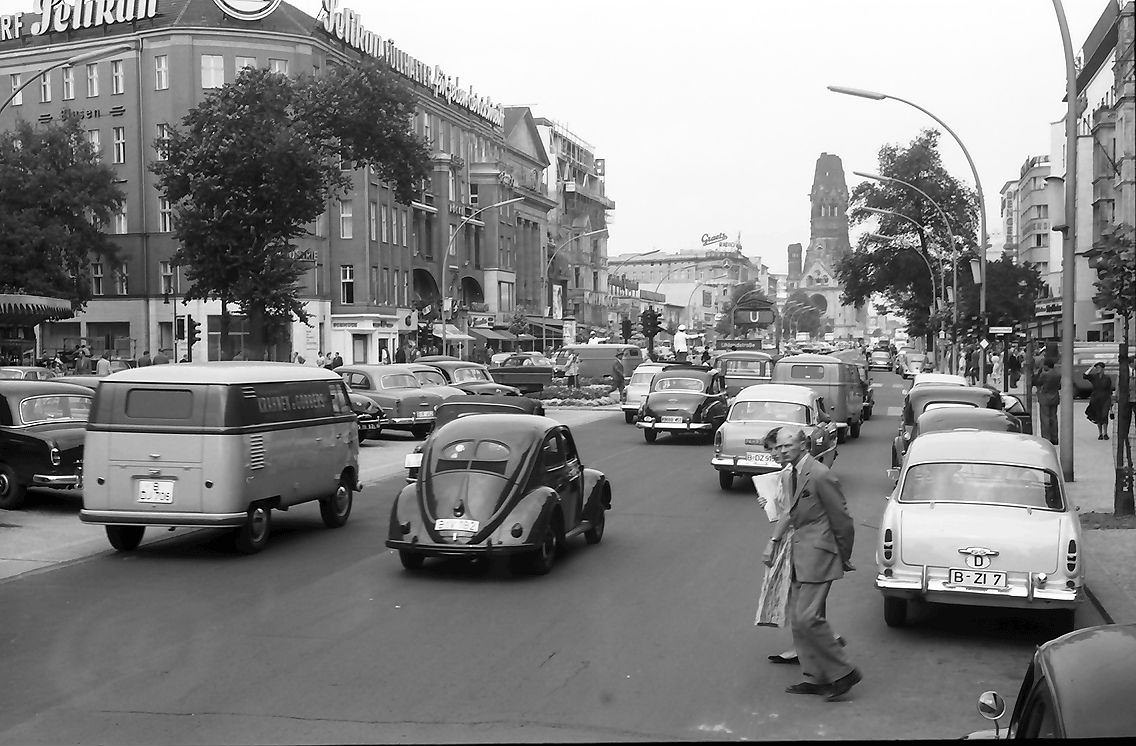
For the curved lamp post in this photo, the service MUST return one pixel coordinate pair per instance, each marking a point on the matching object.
(84, 57)
(690, 297)
(611, 272)
(450, 248)
(930, 269)
(876, 96)
(721, 265)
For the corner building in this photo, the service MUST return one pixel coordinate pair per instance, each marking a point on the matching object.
(376, 266)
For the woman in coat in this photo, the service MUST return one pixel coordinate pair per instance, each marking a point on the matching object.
(1100, 400)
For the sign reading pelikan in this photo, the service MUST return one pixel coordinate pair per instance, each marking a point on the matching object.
(347, 26)
(72, 15)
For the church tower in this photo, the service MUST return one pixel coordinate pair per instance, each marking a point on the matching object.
(828, 219)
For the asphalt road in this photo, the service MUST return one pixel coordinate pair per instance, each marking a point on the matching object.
(324, 638)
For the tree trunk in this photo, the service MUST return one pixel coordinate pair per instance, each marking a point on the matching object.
(1122, 497)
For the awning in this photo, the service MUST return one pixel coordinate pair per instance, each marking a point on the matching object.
(19, 309)
(492, 334)
(542, 321)
(525, 338)
(452, 333)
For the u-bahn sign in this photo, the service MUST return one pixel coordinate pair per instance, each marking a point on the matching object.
(753, 316)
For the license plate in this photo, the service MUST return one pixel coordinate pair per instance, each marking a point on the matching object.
(672, 419)
(424, 413)
(760, 458)
(976, 578)
(371, 426)
(155, 492)
(412, 461)
(455, 524)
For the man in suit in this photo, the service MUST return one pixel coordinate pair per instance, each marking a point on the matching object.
(821, 552)
(1048, 385)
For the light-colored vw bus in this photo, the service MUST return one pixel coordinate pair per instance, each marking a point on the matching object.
(218, 444)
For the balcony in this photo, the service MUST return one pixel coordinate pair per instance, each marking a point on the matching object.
(593, 194)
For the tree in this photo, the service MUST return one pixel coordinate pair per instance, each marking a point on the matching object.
(257, 161)
(55, 196)
(751, 296)
(519, 324)
(802, 316)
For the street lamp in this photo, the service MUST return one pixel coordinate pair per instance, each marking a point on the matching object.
(876, 96)
(722, 265)
(930, 269)
(84, 57)
(690, 297)
(450, 248)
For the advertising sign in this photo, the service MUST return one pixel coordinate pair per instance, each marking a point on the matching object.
(557, 301)
(569, 336)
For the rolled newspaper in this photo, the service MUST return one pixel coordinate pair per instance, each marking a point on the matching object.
(769, 490)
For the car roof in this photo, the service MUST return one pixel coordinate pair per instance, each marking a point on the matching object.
(22, 367)
(933, 379)
(28, 387)
(1091, 674)
(776, 392)
(229, 372)
(687, 371)
(743, 355)
(952, 418)
(979, 396)
(972, 445)
(810, 358)
(376, 369)
(498, 426)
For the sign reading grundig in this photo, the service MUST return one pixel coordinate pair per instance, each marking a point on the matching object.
(347, 26)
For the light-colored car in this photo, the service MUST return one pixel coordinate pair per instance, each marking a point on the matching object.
(913, 364)
(26, 373)
(407, 404)
(637, 389)
(937, 379)
(434, 379)
(981, 519)
(738, 444)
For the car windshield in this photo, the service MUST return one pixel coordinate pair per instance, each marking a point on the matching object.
(429, 378)
(754, 367)
(476, 455)
(877, 355)
(462, 375)
(982, 483)
(778, 411)
(680, 384)
(916, 358)
(11, 373)
(38, 409)
(399, 381)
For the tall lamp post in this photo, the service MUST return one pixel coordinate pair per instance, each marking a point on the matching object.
(954, 257)
(84, 57)
(548, 267)
(930, 269)
(876, 96)
(611, 272)
(659, 284)
(690, 297)
(450, 248)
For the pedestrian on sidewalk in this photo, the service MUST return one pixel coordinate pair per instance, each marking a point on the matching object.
(1048, 385)
(1100, 400)
(820, 552)
(1013, 367)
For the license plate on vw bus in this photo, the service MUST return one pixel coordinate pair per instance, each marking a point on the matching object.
(976, 578)
(456, 524)
(150, 491)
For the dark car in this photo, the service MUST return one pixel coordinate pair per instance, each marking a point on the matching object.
(684, 399)
(855, 356)
(499, 484)
(26, 373)
(529, 372)
(965, 418)
(369, 415)
(454, 408)
(473, 378)
(1078, 685)
(42, 426)
(920, 399)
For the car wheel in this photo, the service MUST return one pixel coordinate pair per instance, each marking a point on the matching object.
(841, 434)
(336, 509)
(895, 611)
(541, 560)
(411, 560)
(125, 538)
(420, 431)
(868, 413)
(594, 535)
(649, 435)
(12, 493)
(855, 429)
(628, 417)
(725, 480)
(251, 537)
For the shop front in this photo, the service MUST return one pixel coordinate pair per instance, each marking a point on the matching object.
(368, 338)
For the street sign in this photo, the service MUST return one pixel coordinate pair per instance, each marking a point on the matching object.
(1001, 330)
(984, 344)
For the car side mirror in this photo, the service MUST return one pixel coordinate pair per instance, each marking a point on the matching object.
(991, 705)
(893, 474)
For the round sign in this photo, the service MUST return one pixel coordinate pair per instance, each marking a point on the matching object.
(248, 10)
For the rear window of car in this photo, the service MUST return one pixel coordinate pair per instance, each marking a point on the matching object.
(996, 484)
(469, 374)
(8, 373)
(756, 367)
(642, 378)
(807, 372)
(159, 404)
(54, 408)
(778, 411)
(430, 378)
(475, 455)
(931, 406)
(399, 381)
(680, 384)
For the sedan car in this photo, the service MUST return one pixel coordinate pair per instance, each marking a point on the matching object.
(528, 372)
(637, 389)
(683, 399)
(738, 444)
(26, 373)
(937, 379)
(407, 404)
(923, 398)
(499, 484)
(472, 378)
(879, 360)
(432, 378)
(1076, 686)
(368, 414)
(964, 418)
(42, 426)
(980, 519)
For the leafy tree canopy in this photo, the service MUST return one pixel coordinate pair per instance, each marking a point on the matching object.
(799, 314)
(54, 197)
(1114, 259)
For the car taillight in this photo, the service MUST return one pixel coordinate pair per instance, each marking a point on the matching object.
(1072, 557)
(55, 456)
(888, 553)
(718, 442)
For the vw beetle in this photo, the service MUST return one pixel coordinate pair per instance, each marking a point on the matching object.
(499, 484)
(683, 399)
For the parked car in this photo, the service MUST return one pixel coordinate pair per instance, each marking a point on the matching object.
(369, 414)
(26, 373)
(528, 372)
(937, 379)
(472, 378)
(407, 404)
(499, 484)
(741, 368)
(920, 399)
(965, 418)
(1078, 685)
(638, 386)
(42, 427)
(980, 518)
(432, 378)
(879, 360)
(683, 399)
(914, 363)
(739, 443)
(454, 408)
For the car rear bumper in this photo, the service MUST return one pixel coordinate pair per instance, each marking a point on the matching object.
(57, 481)
(736, 465)
(678, 426)
(409, 421)
(459, 550)
(1015, 596)
(148, 518)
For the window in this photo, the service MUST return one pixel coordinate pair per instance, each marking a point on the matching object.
(166, 276)
(68, 83)
(119, 226)
(243, 62)
(96, 278)
(162, 145)
(45, 88)
(346, 223)
(346, 283)
(165, 215)
(372, 220)
(212, 71)
(16, 83)
(395, 296)
(159, 404)
(402, 225)
(96, 144)
(119, 137)
(386, 287)
(278, 66)
(117, 78)
(385, 223)
(121, 280)
(161, 72)
(92, 80)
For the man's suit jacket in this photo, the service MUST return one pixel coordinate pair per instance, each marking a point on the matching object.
(822, 528)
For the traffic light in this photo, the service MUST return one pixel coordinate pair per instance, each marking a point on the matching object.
(179, 328)
(193, 336)
(651, 322)
(645, 321)
(626, 330)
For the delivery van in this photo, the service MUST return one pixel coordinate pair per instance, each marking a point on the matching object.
(596, 360)
(218, 444)
(836, 381)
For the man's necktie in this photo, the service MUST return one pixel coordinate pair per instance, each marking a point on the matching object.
(793, 469)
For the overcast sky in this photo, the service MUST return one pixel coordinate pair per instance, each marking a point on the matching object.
(711, 114)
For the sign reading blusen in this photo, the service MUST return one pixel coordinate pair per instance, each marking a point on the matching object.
(72, 15)
(346, 25)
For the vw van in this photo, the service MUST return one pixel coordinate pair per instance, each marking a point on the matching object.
(836, 381)
(743, 368)
(218, 444)
(596, 360)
